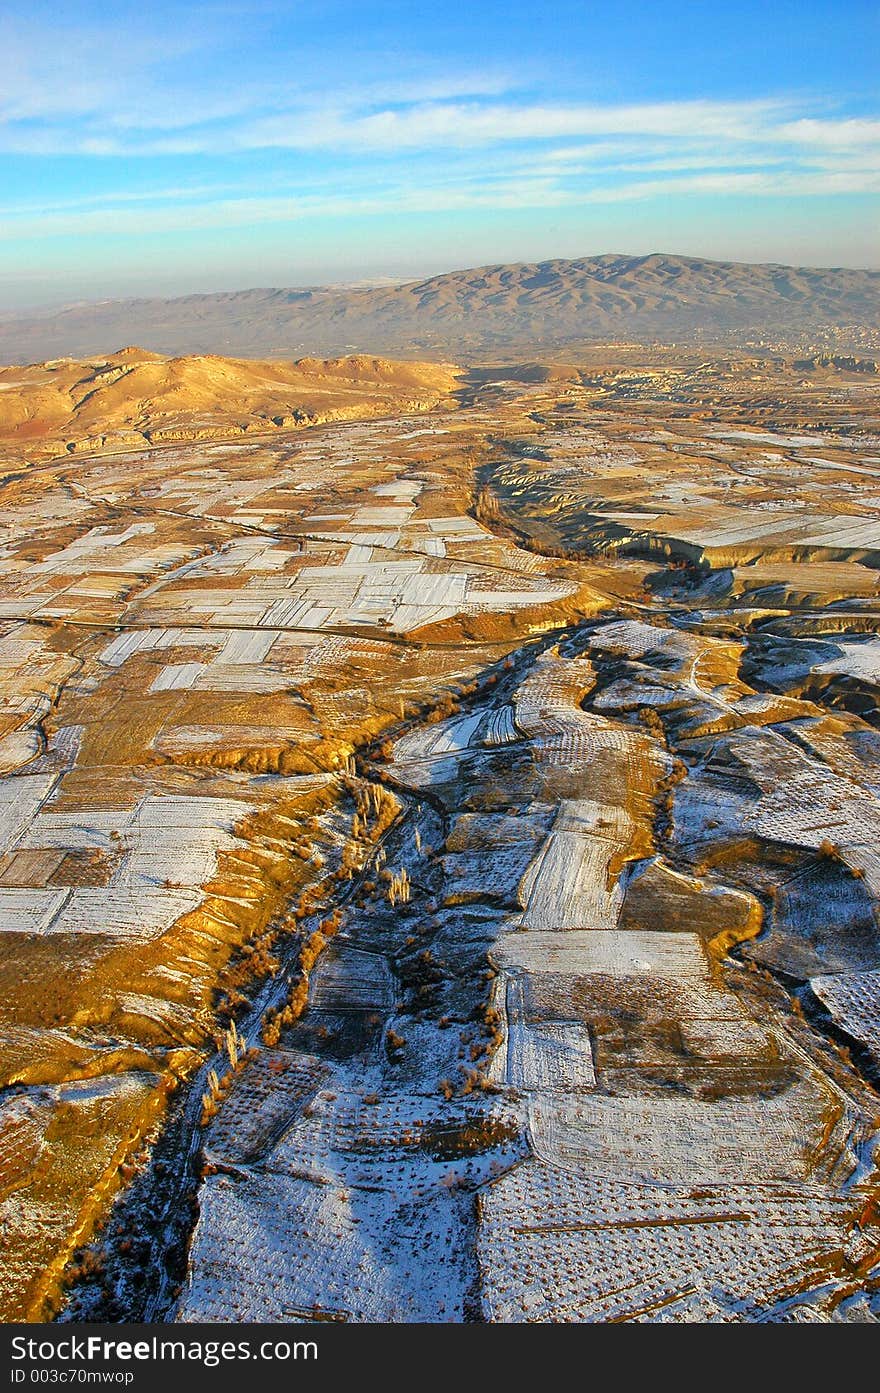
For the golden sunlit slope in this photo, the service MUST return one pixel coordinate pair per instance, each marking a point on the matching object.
(133, 396)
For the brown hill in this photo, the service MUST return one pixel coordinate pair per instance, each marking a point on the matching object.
(493, 307)
(132, 397)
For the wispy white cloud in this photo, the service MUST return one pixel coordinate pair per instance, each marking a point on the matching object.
(103, 88)
(840, 132)
(405, 142)
(469, 113)
(52, 71)
(755, 184)
(431, 124)
(528, 190)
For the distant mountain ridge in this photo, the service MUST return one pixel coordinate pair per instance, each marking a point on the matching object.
(490, 307)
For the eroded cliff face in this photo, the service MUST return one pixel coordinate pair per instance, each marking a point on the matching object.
(438, 875)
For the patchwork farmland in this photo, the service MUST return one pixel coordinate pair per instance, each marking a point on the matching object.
(438, 854)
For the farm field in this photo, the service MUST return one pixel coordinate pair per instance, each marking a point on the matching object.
(439, 836)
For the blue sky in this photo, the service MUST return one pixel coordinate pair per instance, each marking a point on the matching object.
(169, 147)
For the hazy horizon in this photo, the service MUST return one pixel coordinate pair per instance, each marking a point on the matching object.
(53, 304)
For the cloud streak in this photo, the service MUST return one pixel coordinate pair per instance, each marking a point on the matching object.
(388, 124)
(287, 143)
(179, 214)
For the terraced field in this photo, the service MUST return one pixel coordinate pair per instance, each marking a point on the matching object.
(438, 861)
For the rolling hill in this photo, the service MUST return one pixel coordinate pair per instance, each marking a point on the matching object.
(134, 397)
